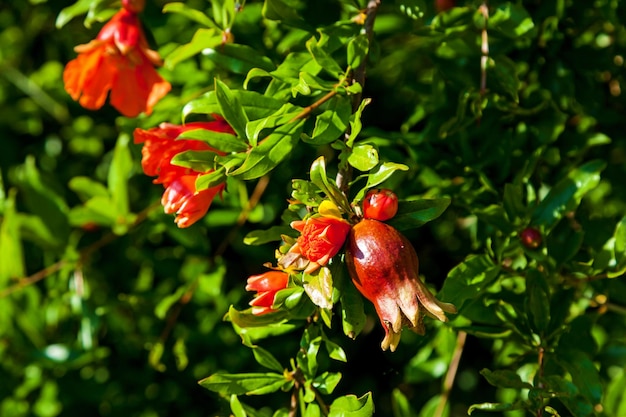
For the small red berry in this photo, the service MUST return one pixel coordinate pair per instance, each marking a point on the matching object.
(443, 5)
(380, 205)
(531, 238)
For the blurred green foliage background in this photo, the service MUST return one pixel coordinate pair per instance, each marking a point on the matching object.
(109, 309)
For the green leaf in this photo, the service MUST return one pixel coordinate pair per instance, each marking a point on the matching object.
(505, 379)
(355, 122)
(93, 8)
(469, 279)
(351, 406)
(614, 402)
(246, 319)
(511, 20)
(190, 13)
(567, 193)
(270, 152)
(537, 299)
(244, 383)
(319, 287)
(333, 122)
(43, 201)
(335, 351)
(400, 404)
(86, 187)
(236, 407)
(266, 359)
(279, 10)
(255, 105)
(199, 161)
(260, 237)
(584, 374)
(238, 59)
(363, 157)
(322, 57)
(502, 76)
(286, 114)
(201, 40)
(231, 108)
(385, 170)
(412, 214)
(353, 315)
(11, 255)
(319, 178)
(514, 202)
(327, 382)
(117, 180)
(224, 142)
(357, 50)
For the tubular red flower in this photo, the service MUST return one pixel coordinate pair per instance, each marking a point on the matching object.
(118, 61)
(266, 285)
(384, 268)
(380, 205)
(160, 145)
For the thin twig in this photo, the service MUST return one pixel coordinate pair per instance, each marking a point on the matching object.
(540, 362)
(451, 374)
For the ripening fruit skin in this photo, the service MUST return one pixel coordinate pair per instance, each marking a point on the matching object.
(531, 238)
(383, 266)
(380, 205)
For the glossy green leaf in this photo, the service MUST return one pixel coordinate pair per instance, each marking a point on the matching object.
(351, 406)
(584, 374)
(199, 161)
(327, 382)
(416, 213)
(513, 202)
(255, 105)
(245, 383)
(469, 279)
(190, 13)
(286, 114)
(323, 58)
(537, 299)
(238, 59)
(319, 287)
(119, 173)
(231, 108)
(236, 407)
(567, 193)
(358, 48)
(280, 10)
(202, 39)
(327, 185)
(266, 359)
(271, 151)
(363, 157)
(504, 378)
(400, 404)
(261, 237)
(384, 171)
(614, 401)
(247, 319)
(511, 20)
(333, 122)
(217, 140)
(92, 8)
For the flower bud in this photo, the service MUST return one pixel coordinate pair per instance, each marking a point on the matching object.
(266, 285)
(384, 268)
(531, 238)
(380, 205)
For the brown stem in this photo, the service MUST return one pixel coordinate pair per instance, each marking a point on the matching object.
(84, 254)
(451, 374)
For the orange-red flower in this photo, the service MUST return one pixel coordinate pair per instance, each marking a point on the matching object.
(384, 268)
(118, 62)
(266, 285)
(160, 145)
(321, 236)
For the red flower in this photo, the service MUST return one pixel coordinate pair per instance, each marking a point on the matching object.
(160, 145)
(118, 61)
(383, 266)
(322, 236)
(266, 285)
